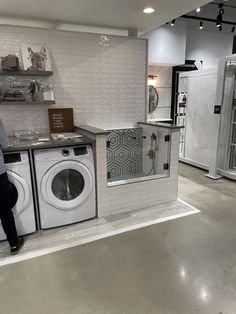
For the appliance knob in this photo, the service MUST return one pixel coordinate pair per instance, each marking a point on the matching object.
(65, 152)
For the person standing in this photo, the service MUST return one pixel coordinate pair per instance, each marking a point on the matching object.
(6, 215)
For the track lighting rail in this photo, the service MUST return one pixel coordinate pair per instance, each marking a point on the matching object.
(206, 19)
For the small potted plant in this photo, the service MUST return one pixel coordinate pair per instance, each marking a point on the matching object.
(35, 90)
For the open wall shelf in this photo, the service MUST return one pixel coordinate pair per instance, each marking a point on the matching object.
(48, 102)
(26, 73)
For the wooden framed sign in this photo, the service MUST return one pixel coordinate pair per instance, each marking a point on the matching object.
(61, 120)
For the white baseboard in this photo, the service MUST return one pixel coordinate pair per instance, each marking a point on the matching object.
(194, 163)
(228, 174)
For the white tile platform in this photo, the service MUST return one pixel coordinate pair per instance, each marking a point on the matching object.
(47, 241)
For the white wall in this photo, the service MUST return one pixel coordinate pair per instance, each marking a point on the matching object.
(208, 46)
(106, 85)
(172, 45)
(167, 45)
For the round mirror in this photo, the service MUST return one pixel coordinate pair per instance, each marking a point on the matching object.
(153, 99)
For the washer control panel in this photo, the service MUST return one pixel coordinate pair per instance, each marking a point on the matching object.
(62, 153)
(80, 150)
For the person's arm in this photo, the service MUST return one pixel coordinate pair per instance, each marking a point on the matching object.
(3, 137)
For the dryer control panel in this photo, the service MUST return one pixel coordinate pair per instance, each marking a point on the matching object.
(16, 158)
(12, 158)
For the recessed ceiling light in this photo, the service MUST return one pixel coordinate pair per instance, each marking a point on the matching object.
(148, 10)
(198, 10)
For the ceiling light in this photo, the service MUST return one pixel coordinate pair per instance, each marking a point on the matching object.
(201, 25)
(233, 29)
(198, 10)
(148, 10)
(172, 22)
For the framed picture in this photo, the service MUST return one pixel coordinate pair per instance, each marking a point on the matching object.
(35, 58)
(61, 120)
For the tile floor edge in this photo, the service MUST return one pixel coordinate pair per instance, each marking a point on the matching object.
(42, 252)
(189, 205)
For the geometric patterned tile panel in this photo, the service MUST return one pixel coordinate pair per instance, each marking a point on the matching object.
(124, 154)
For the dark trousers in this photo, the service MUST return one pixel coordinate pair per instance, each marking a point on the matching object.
(6, 215)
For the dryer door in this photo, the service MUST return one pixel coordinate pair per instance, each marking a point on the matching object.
(66, 185)
(20, 192)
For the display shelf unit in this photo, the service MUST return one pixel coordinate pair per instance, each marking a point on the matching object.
(29, 74)
(48, 102)
(232, 144)
(181, 120)
(26, 73)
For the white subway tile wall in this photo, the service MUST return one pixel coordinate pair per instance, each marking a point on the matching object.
(106, 87)
(104, 84)
(130, 197)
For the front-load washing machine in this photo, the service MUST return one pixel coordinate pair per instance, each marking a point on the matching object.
(65, 184)
(19, 175)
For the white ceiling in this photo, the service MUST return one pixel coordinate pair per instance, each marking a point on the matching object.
(121, 14)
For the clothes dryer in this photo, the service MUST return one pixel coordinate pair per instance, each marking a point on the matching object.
(19, 175)
(65, 185)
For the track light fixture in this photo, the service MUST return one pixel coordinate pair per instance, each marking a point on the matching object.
(219, 21)
(219, 18)
(173, 22)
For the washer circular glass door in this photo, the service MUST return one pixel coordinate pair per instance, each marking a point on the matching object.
(23, 192)
(66, 185)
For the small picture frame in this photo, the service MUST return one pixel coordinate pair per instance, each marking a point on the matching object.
(35, 58)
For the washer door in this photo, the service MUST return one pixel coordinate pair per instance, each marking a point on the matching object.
(66, 185)
(23, 192)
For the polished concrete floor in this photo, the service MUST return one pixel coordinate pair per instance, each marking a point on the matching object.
(182, 266)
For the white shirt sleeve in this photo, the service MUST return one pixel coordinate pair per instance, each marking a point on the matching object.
(3, 137)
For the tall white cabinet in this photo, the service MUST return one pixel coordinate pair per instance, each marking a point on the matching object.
(227, 134)
(197, 115)
(209, 116)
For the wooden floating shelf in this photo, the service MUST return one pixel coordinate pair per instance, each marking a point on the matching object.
(26, 73)
(48, 102)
